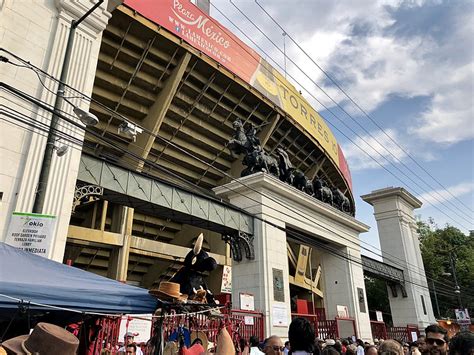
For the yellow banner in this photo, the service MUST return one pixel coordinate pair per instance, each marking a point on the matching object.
(274, 85)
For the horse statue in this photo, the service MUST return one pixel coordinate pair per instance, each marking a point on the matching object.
(340, 200)
(301, 182)
(322, 192)
(258, 160)
(285, 167)
(239, 143)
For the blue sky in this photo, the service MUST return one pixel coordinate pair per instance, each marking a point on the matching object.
(409, 64)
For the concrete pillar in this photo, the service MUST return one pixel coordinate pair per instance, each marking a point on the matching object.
(118, 264)
(281, 206)
(344, 286)
(37, 31)
(394, 212)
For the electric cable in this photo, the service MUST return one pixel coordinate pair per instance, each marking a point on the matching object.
(329, 230)
(359, 107)
(381, 165)
(214, 168)
(353, 131)
(234, 179)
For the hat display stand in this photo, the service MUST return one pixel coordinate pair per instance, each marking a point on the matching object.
(183, 322)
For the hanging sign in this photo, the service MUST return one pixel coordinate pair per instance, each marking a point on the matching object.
(226, 286)
(31, 232)
(138, 324)
(462, 316)
(379, 316)
(279, 315)
(247, 302)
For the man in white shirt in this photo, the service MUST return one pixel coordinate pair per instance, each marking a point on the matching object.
(254, 350)
(128, 338)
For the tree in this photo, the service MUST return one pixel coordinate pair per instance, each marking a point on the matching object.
(377, 298)
(438, 245)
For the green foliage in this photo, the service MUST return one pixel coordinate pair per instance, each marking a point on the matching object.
(377, 298)
(438, 245)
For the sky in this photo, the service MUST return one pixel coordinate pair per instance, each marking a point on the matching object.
(407, 64)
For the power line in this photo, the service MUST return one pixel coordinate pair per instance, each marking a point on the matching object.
(361, 109)
(102, 138)
(185, 151)
(342, 122)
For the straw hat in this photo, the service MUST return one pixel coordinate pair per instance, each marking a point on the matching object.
(202, 336)
(45, 338)
(225, 345)
(168, 291)
(171, 348)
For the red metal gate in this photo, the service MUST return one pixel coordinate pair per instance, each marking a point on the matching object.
(379, 330)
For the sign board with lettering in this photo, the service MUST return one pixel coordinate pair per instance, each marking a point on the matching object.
(138, 324)
(379, 316)
(247, 302)
(462, 316)
(201, 31)
(31, 232)
(226, 286)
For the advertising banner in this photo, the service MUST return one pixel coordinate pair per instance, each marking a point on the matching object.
(31, 232)
(207, 35)
(226, 286)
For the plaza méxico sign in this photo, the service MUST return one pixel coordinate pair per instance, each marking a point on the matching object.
(204, 33)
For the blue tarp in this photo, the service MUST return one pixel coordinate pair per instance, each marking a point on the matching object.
(36, 279)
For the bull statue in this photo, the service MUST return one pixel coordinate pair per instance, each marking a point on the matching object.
(322, 192)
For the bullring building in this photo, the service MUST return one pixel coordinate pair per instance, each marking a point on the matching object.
(129, 197)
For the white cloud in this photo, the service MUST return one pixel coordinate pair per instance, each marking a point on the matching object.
(377, 145)
(436, 197)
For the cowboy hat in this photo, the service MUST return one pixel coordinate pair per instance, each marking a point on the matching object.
(45, 338)
(201, 336)
(168, 291)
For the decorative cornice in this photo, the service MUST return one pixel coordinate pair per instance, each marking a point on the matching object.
(391, 192)
(96, 21)
(246, 185)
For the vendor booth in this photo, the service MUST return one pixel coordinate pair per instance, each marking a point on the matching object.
(34, 289)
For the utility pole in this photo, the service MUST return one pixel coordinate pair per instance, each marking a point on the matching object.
(48, 154)
(436, 299)
(457, 289)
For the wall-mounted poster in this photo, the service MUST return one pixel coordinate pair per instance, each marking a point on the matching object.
(247, 302)
(278, 289)
(31, 232)
(280, 315)
(361, 297)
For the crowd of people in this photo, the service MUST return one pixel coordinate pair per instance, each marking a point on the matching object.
(50, 339)
(302, 341)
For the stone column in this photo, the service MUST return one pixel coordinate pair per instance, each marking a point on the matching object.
(394, 212)
(37, 31)
(281, 206)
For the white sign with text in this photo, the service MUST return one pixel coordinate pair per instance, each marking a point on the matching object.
(31, 232)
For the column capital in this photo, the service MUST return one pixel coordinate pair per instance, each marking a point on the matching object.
(96, 21)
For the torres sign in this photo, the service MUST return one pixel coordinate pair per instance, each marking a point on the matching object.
(188, 22)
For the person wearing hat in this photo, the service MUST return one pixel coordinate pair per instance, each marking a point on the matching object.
(45, 338)
(128, 339)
